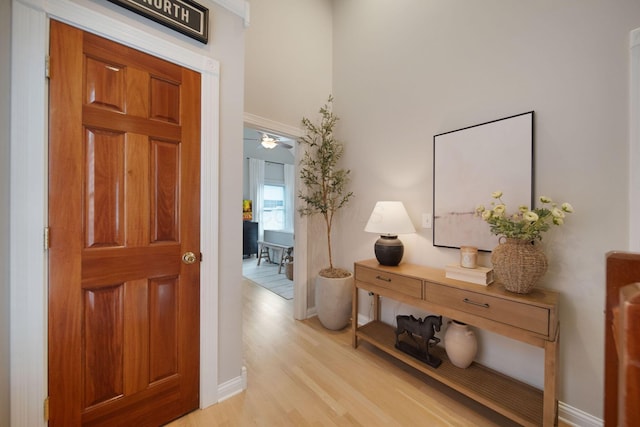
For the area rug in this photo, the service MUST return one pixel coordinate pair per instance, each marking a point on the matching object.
(266, 275)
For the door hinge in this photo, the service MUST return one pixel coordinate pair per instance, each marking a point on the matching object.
(47, 238)
(47, 66)
(46, 409)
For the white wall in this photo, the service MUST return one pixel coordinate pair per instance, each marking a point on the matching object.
(230, 51)
(405, 71)
(288, 59)
(5, 119)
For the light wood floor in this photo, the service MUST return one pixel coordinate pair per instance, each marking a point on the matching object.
(300, 374)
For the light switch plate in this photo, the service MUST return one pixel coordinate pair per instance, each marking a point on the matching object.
(426, 220)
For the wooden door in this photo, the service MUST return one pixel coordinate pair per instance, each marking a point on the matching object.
(124, 206)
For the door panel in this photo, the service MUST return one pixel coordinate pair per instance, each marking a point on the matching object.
(103, 344)
(104, 188)
(124, 206)
(165, 170)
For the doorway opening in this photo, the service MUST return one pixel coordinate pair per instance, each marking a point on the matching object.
(275, 254)
(268, 210)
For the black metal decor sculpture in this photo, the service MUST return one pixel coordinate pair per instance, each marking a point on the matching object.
(422, 328)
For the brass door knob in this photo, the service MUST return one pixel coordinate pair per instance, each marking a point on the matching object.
(189, 258)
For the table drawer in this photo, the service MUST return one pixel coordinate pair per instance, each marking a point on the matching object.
(521, 315)
(402, 284)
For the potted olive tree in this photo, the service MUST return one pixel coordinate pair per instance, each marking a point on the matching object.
(324, 192)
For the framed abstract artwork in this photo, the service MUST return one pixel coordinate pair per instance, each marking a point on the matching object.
(471, 163)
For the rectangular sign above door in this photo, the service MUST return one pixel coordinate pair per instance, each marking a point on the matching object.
(185, 16)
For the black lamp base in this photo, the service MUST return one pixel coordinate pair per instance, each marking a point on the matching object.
(389, 250)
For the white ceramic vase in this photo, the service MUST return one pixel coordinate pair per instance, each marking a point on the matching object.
(333, 301)
(460, 343)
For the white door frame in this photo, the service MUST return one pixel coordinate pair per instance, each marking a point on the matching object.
(300, 276)
(28, 187)
(634, 142)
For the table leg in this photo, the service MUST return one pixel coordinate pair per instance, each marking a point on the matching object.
(550, 398)
(354, 317)
(281, 260)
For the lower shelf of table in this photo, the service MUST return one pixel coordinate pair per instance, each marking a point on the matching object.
(505, 395)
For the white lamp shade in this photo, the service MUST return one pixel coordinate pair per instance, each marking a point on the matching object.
(389, 219)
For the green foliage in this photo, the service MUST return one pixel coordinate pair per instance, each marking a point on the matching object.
(325, 186)
(525, 224)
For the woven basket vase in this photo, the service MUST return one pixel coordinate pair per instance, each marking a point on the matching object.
(518, 265)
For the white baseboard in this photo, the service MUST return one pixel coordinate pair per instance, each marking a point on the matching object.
(233, 386)
(577, 418)
(311, 312)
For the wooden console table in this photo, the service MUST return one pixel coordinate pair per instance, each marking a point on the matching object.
(531, 318)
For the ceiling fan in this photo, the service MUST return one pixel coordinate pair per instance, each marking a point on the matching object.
(270, 142)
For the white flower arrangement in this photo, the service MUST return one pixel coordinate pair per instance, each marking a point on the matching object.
(525, 224)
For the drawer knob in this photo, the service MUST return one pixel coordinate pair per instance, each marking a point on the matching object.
(386, 279)
(479, 304)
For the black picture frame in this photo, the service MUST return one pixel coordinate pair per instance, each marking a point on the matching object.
(195, 26)
(471, 163)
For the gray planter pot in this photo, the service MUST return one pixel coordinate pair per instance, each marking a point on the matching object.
(333, 301)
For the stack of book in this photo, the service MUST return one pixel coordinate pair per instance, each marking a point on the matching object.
(478, 275)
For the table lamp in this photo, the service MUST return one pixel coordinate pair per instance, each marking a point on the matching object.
(389, 219)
